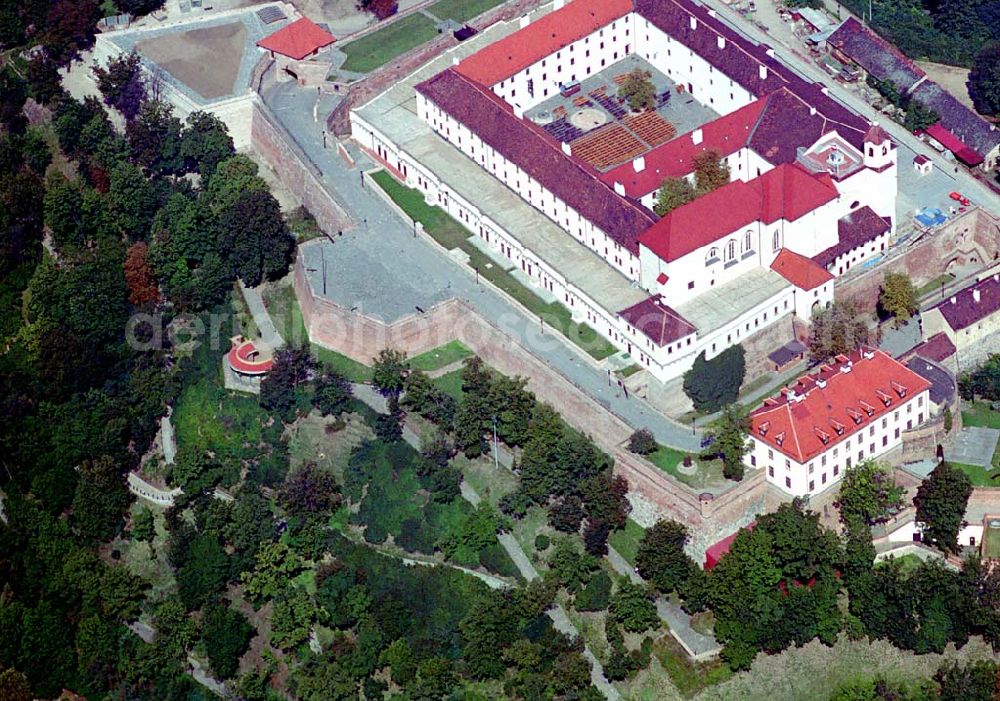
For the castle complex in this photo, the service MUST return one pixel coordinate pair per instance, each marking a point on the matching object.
(528, 119)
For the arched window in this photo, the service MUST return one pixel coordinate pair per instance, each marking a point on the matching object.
(713, 254)
(776, 241)
(748, 242)
(730, 250)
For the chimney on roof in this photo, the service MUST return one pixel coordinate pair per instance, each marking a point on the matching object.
(619, 188)
(770, 52)
(558, 4)
(721, 41)
(711, 13)
(697, 136)
(639, 164)
(823, 89)
(762, 71)
(694, 22)
(812, 111)
(455, 60)
(567, 149)
(996, 277)
(953, 300)
(524, 21)
(975, 296)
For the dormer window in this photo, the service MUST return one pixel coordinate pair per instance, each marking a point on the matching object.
(885, 398)
(779, 438)
(898, 389)
(762, 429)
(868, 408)
(855, 415)
(838, 427)
(823, 436)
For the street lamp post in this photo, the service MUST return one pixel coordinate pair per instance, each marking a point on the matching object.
(692, 427)
(496, 452)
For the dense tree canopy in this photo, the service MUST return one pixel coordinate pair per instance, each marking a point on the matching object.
(711, 384)
(941, 501)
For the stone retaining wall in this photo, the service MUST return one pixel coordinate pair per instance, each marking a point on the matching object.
(973, 236)
(653, 493)
(295, 170)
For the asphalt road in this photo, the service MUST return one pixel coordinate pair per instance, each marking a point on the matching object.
(391, 239)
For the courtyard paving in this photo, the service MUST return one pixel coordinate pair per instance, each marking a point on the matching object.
(975, 445)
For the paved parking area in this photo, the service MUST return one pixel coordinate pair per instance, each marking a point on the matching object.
(975, 445)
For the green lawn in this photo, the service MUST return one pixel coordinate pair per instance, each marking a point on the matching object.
(980, 477)
(980, 414)
(378, 48)
(440, 357)
(935, 284)
(667, 459)
(907, 563)
(991, 543)
(450, 383)
(689, 677)
(524, 531)
(489, 482)
(626, 541)
(450, 234)
(461, 10)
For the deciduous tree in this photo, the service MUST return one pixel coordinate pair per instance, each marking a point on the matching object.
(840, 328)
(941, 501)
(711, 384)
(139, 277)
(638, 90)
(897, 297)
(728, 437)
(661, 558)
(984, 80)
(868, 492)
(710, 171)
(673, 193)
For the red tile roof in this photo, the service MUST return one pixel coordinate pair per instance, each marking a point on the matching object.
(786, 192)
(659, 322)
(799, 270)
(951, 142)
(675, 159)
(538, 154)
(819, 411)
(876, 134)
(972, 304)
(298, 39)
(545, 36)
(717, 550)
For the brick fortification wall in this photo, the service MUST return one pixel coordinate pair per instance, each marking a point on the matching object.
(653, 493)
(972, 237)
(384, 77)
(295, 170)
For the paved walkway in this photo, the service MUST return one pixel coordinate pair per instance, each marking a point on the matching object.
(975, 445)
(169, 443)
(387, 237)
(255, 303)
(677, 620)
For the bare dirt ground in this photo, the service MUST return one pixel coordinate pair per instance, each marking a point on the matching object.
(342, 16)
(206, 60)
(950, 78)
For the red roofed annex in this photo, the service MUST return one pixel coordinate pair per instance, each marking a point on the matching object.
(851, 410)
(301, 38)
